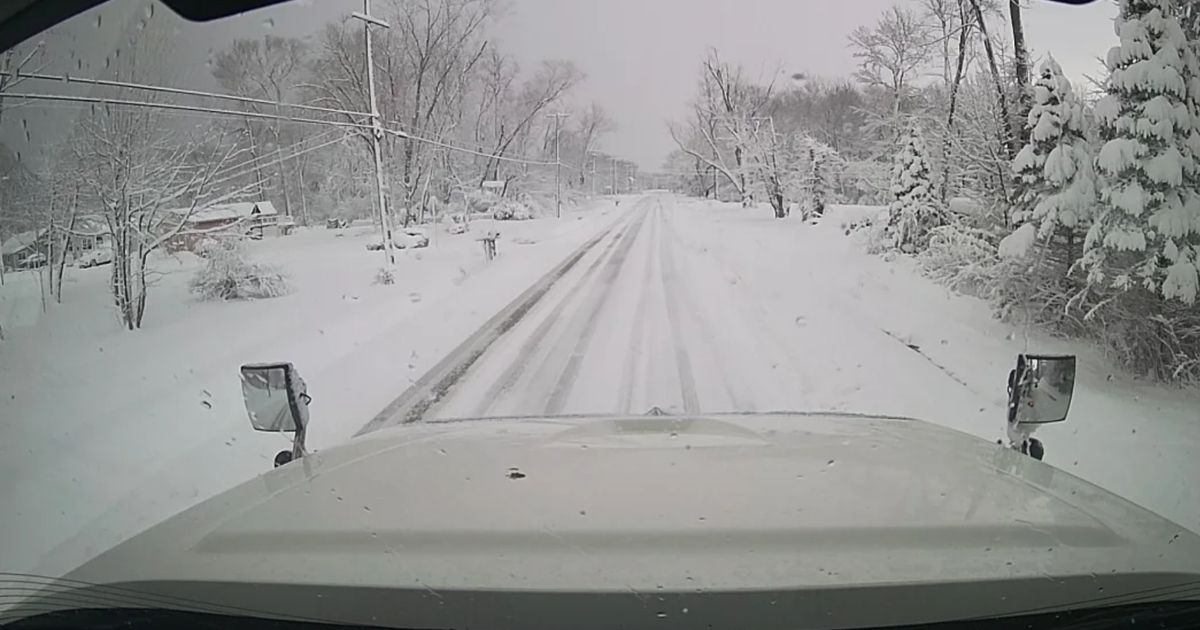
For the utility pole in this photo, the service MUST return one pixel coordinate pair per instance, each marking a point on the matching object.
(557, 167)
(377, 134)
(614, 176)
(593, 174)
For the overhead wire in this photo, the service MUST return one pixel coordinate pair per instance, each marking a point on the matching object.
(67, 78)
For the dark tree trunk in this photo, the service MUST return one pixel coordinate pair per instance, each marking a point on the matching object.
(1021, 67)
(963, 37)
(1011, 147)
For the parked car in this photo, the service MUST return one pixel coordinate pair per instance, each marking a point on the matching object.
(408, 238)
(95, 258)
(32, 261)
(412, 237)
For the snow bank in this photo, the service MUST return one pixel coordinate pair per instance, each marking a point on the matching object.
(849, 331)
(850, 218)
(1019, 243)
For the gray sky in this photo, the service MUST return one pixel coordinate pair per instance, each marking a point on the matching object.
(640, 56)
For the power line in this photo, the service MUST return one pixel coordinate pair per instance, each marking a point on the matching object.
(184, 108)
(66, 78)
(194, 109)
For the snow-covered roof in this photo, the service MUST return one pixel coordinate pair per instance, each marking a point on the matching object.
(216, 213)
(19, 242)
(90, 225)
(231, 211)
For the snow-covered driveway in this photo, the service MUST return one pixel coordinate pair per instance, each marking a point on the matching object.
(692, 306)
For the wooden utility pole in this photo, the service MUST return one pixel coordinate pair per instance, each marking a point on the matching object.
(557, 167)
(377, 134)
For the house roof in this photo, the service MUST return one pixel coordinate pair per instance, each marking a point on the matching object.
(230, 211)
(216, 213)
(90, 225)
(17, 243)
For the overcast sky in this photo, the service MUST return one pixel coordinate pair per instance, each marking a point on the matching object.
(640, 56)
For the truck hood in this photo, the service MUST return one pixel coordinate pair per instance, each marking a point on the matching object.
(653, 506)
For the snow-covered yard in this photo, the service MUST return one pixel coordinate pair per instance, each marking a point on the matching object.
(107, 431)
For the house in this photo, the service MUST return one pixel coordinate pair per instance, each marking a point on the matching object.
(493, 186)
(89, 232)
(22, 244)
(249, 217)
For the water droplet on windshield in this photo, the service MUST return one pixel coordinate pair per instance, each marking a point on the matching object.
(269, 23)
(662, 615)
(441, 451)
(99, 20)
(366, 508)
(829, 463)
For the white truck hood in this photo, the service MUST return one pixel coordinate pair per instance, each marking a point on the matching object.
(656, 508)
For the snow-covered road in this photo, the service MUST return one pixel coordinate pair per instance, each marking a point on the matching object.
(654, 316)
(690, 306)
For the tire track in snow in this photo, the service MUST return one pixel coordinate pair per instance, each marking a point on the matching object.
(637, 335)
(687, 380)
(685, 295)
(436, 385)
(517, 368)
(566, 379)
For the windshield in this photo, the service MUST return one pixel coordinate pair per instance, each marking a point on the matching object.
(555, 208)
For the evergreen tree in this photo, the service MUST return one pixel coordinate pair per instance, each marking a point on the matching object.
(1055, 173)
(1147, 230)
(914, 209)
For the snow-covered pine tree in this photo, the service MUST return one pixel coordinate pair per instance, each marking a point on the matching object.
(1057, 181)
(1147, 230)
(914, 209)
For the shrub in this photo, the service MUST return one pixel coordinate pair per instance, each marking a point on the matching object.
(229, 275)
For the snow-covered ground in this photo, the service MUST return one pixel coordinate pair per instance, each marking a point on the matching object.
(684, 305)
(106, 432)
(698, 305)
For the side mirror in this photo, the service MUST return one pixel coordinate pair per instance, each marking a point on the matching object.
(1040, 389)
(277, 401)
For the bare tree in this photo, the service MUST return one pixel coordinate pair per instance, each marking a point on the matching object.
(515, 112)
(268, 69)
(1012, 143)
(892, 53)
(720, 132)
(147, 183)
(440, 43)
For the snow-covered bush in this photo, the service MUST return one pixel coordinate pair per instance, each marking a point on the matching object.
(229, 275)
(915, 209)
(478, 201)
(383, 275)
(509, 210)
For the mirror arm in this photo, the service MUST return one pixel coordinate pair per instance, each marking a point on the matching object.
(295, 401)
